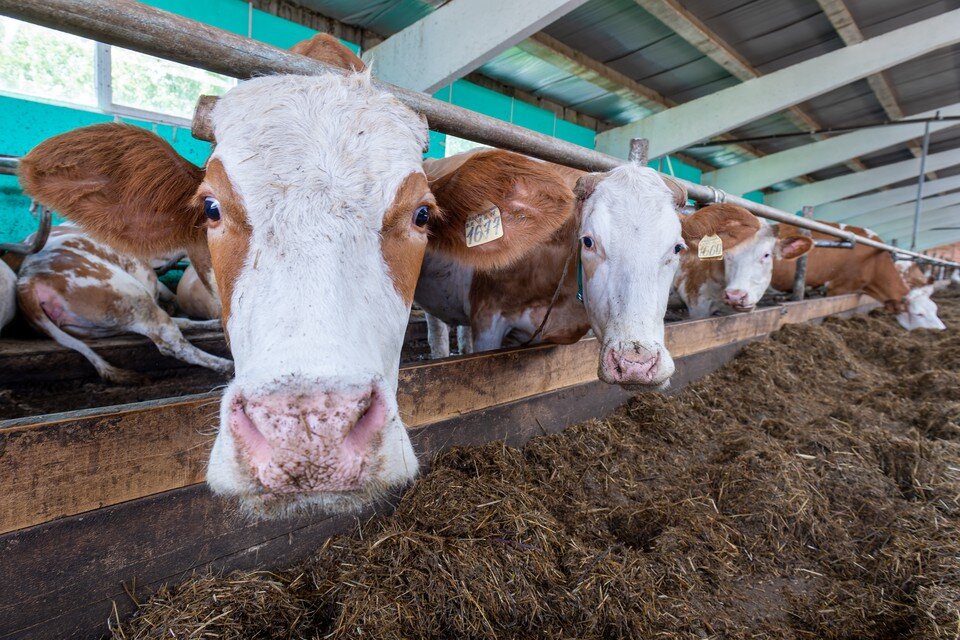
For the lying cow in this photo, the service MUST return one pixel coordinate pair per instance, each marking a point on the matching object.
(76, 288)
(861, 269)
(739, 280)
(8, 294)
(596, 250)
(312, 212)
(195, 299)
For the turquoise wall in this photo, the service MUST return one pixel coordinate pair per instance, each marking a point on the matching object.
(27, 122)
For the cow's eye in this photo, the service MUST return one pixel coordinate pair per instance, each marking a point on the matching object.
(421, 216)
(211, 207)
(679, 247)
(766, 255)
(587, 242)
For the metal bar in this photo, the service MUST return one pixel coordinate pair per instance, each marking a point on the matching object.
(137, 26)
(9, 165)
(39, 238)
(834, 244)
(800, 274)
(639, 151)
(920, 181)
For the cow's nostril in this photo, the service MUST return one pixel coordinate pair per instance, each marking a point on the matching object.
(250, 438)
(367, 426)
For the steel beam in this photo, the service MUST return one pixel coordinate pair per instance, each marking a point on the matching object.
(727, 109)
(844, 210)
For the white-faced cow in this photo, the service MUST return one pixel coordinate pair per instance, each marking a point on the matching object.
(612, 239)
(312, 212)
(195, 299)
(8, 294)
(861, 269)
(739, 280)
(76, 288)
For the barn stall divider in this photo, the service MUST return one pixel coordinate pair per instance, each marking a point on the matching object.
(103, 506)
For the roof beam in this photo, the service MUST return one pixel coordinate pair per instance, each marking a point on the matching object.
(889, 215)
(942, 216)
(854, 183)
(727, 109)
(776, 167)
(459, 37)
(686, 25)
(848, 30)
(844, 210)
(931, 239)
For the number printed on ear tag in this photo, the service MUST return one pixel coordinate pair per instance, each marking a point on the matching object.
(710, 248)
(484, 227)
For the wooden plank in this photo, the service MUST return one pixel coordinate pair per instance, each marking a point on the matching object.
(43, 360)
(818, 308)
(63, 464)
(163, 538)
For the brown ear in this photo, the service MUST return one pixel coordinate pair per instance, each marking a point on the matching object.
(732, 223)
(533, 197)
(792, 247)
(323, 47)
(679, 191)
(124, 185)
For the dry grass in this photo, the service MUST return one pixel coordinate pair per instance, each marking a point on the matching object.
(809, 489)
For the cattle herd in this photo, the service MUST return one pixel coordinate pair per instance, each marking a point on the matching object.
(314, 227)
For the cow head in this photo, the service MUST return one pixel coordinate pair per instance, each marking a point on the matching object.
(311, 214)
(630, 241)
(749, 249)
(918, 310)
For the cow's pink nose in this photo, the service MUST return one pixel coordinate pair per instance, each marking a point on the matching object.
(735, 297)
(638, 366)
(306, 442)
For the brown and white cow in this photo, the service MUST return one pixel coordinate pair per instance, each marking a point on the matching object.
(312, 211)
(8, 294)
(861, 269)
(621, 225)
(76, 288)
(195, 299)
(739, 280)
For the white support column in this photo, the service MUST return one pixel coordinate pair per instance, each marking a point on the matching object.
(881, 217)
(459, 37)
(771, 169)
(727, 109)
(854, 183)
(844, 210)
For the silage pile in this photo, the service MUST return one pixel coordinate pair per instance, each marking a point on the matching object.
(809, 489)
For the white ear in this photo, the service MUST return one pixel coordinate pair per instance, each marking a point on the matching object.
(926, 290)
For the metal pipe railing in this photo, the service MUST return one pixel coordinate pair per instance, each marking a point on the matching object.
(9, 165)
(136, 26)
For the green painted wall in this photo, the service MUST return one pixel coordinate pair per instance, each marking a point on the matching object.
(26, 122)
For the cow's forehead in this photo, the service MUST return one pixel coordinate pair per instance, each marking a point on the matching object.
(636, 197)
(327, 142)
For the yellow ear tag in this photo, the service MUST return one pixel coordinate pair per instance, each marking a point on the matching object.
(710, 248)
(484, 227)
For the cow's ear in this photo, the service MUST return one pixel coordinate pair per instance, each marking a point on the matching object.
(327, 49)
(792, 247)
(123, 185)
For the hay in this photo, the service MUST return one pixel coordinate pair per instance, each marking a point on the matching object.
(809, 489)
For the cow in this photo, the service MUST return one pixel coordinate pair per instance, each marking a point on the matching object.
(599, 251)
(310, 221)
(8, 294)
(77, 288)
(738, 280)
(912, 275)
(195, 299)
(861, 269)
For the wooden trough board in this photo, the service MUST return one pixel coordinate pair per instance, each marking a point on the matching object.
(99, 502)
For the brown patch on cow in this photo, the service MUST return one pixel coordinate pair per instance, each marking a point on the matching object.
(861, 269)
(913, 276)
(327, 49)
(696, 272)
(401, 243)
(124, 185)
(732, 223)
(230, 242)
(535, 200)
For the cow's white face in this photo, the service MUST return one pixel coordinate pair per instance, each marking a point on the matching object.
(748, 269)
(630, 244)
(921, 311)
(322, 208)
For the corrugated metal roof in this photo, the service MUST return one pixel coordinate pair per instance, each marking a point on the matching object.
(769, 34)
